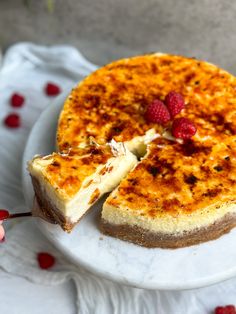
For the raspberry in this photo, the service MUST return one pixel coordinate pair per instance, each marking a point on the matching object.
(220, 310)
(4, 214)
(45, 260)
(52, 89)
(157, 112)
(17, 100)
(174, 102)
(183, 128)
(12, 120)
(228, 309)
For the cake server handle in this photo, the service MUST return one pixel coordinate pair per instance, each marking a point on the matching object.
(4, 214)
(36, 212)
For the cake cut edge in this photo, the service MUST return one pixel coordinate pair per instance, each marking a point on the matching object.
(149, 239)
(48, 210)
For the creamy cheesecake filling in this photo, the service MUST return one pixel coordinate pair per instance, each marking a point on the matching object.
(167, 224)
(92, 188)
(121, 165)
(138, 145)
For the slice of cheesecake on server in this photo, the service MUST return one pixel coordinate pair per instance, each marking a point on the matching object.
(67, 184)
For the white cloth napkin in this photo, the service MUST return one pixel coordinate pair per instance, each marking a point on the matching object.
(26, 69)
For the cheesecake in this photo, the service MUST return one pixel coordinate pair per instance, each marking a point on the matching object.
(180, 191)
(67, 184)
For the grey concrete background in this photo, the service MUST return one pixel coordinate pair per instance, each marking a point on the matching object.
(105, 30)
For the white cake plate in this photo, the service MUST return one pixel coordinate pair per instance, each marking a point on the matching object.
(120, 261)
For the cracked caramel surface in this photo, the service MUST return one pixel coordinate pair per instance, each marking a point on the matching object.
(173, 178)
(178, 179)
(110, 103)
(66, 172)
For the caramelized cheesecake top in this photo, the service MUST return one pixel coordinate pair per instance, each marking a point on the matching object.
(179, 178)
(173, 178)
(67, 171)
(111, 102)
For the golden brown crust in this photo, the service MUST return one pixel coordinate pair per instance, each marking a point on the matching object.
(110, 103)
(179, 179)
(149, 239)
(66, 171)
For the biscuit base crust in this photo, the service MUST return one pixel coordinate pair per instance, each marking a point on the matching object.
(150, 239)
(48, 210)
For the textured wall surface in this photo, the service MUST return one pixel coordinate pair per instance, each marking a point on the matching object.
(109, 29)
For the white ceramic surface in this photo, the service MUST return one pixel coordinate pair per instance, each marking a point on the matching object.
(124, 262)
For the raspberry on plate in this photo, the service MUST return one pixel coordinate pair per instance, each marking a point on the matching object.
(183, 128)
(157, 112)
(174, 102)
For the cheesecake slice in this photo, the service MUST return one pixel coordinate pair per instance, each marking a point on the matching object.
(178, 195)
(67, 184)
